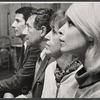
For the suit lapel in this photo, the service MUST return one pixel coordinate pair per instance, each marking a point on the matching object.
(41, 69)
(25, 55)
(21, 58)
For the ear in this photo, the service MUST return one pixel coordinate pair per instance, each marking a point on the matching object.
(90, 39)
(44, 30)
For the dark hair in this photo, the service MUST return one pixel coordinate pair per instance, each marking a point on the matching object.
(43, 18)
(26, 11)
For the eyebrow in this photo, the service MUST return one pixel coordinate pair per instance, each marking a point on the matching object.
(53, 29)
(17, 19)
(68, 18)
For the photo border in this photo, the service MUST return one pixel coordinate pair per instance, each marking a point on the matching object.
(55, 1)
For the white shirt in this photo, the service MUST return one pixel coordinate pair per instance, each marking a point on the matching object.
(42, 56)
(25, 45)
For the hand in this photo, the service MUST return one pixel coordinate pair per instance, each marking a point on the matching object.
(8, 95)
(21, 96)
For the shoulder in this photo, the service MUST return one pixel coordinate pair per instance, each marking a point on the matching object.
(95, 94)
(49, 72)
(93, 91)
(34, 50)
(51, 67)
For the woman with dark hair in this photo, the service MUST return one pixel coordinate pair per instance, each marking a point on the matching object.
(59, 75)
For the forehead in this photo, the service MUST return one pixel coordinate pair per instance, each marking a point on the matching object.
(19, 16)
(31, 19)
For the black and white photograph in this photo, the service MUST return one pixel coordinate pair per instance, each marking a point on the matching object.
(49, 50)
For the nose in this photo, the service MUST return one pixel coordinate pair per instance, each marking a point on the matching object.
(61, 32)
(25, 31)
(14, 24)
(62, 29)
(48, 35)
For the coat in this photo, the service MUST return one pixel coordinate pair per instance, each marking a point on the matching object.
(21, 81)
(38, 83)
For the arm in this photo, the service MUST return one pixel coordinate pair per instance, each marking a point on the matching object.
(29, 95)
(49, 86)
(23, 77)
(96, 94)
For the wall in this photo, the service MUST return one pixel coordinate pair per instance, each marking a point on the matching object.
(7, 15)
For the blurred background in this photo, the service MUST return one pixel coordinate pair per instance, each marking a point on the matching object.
(7, 15)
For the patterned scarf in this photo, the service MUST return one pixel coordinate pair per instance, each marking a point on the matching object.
(59, 74)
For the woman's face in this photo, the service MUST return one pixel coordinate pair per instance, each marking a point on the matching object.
(72, 40)
(53, 42)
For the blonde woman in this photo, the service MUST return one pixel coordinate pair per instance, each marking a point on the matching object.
(80, 35)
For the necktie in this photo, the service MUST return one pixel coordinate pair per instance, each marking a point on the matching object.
(38, 63)
(20, 58)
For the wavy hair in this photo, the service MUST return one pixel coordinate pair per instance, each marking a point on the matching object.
(58, 18)
(43, 18)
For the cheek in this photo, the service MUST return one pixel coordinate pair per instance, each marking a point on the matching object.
(74, 40)
(30, 32)
(29, 35)
(71, 36)
(21, 27)
(81, 41)
(55, 45)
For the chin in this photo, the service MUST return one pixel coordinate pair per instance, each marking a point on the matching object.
(17, 35)
(48, 52)
(63, 50)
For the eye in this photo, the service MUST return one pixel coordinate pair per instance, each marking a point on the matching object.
(17, 20)
(54, 32)
(60, 33)
(70, 23)
(28, 26)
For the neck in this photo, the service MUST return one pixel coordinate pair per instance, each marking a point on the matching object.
(22, 37)
(64, 61)
(81, 55)
(42, 45)
(82, 52)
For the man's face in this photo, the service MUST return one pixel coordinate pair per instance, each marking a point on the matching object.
(33, 34)
(18, 25)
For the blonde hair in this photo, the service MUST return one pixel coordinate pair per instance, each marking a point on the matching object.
(86, 17)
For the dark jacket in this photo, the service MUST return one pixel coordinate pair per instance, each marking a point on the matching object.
(21, 81)
(38, 83)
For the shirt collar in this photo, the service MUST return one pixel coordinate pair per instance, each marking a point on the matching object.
(85, 78)
(43, 54)
(25, 44)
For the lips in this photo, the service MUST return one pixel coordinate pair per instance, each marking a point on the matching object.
(46, 45)
(61, 40)
(15, 31)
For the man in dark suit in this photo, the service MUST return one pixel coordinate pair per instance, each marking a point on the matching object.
(38, 26)
(21, 81)
(41, 24)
